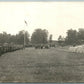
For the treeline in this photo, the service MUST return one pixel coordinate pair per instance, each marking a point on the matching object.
(41, 36)
(14, 39)
(73, 37)
(38, 37)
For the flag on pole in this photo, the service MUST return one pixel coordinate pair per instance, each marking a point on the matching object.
(26, 23)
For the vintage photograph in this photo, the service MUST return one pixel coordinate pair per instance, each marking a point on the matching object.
(42, 42)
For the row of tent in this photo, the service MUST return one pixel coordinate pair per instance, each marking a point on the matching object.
(9, 48)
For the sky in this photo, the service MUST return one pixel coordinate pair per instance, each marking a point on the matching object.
(56, 17)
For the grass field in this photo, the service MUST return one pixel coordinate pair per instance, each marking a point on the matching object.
(42, 65)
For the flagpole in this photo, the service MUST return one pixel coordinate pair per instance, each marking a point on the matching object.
(24, 35)
(24, 40)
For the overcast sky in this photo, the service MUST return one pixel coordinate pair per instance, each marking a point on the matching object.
(56, 17)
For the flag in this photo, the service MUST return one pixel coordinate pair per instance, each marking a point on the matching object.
(26, 23)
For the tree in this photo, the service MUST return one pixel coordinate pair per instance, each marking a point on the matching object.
(27, 37)
(4, 37)
(20, 37)
(81, 35)
(72, 37)
(50, 38)
(39, 36)
(61, 40)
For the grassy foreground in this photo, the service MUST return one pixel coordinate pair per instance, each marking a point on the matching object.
(46, 65)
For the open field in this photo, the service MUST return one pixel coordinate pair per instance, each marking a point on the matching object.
(42, 65)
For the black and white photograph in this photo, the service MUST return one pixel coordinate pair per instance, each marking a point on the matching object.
(42, 42)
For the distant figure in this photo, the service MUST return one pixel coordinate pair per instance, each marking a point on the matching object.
(47, 46)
